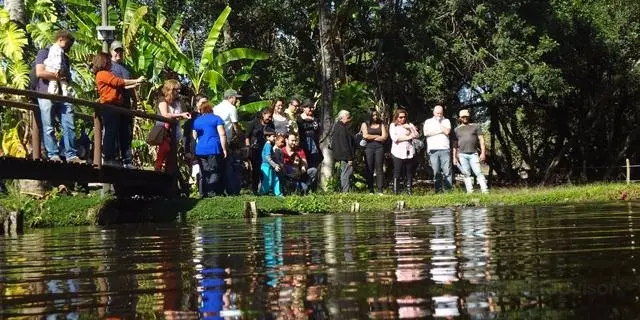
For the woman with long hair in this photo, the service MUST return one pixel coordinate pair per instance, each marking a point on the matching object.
(402, 150)
(281, 122)
(309, 130)
(374, 132)
(169, 107)
(109, 90)
(255, 140)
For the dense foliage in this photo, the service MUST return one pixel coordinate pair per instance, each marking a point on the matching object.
(555, 81)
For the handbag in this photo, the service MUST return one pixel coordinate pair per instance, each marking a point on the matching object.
(359, 139)
(156, 135)
(418, 144)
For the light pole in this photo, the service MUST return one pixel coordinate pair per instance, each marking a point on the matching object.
(105, 31)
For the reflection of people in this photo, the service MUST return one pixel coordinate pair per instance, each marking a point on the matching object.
(470, 140)
(273, 251)
(437, 130)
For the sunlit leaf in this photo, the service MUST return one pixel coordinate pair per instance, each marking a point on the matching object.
(240, 54)
(41, 33)
(11, 144)
(19, 74)
(12, 40)
(212, 39)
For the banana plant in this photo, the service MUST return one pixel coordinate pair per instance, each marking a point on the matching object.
(210, 68)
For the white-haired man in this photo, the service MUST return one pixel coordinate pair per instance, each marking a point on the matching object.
(437, 131)
(343, 148)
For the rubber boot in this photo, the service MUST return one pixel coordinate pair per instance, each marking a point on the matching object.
(482, 181)
(468, 184)
(409, 185)
(395, 185)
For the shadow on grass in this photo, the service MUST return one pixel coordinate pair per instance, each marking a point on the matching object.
(118, 211)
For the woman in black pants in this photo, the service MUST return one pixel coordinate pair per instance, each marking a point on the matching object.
(401, 133)
(375, 134)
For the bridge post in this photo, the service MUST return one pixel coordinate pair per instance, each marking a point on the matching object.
(172, 161)
(97, 140)
(36, 152)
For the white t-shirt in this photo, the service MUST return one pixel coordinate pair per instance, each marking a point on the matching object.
(436, 139)
(229, 115)
(53, 62)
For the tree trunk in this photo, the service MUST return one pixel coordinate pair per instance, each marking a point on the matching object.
(326, 109)
(16, 11)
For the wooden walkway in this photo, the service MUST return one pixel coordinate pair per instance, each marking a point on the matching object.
(126, 181)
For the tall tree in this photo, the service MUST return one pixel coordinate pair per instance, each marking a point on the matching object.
(326, 101)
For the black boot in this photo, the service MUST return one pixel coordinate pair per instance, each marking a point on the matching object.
(395, 185)
(409, 184)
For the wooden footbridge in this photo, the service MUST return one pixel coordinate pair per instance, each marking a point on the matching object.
(126, 181)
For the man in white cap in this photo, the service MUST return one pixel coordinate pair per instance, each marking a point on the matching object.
(125, 134)
(228, 112)
(466, 156)
(437, 131)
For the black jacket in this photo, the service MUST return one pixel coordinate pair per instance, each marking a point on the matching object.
(344, 148)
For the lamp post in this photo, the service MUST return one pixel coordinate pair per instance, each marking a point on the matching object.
(105, 31)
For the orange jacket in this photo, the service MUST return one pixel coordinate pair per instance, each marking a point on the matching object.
(108, 85)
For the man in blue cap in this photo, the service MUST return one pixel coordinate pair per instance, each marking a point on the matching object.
(125, 134)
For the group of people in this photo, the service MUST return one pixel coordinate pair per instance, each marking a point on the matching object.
(281, 143)
(466, 143)
(278, 161)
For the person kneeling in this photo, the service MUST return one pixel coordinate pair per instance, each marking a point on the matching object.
(297, 173)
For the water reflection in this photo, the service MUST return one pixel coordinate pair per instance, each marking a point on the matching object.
(469, 263)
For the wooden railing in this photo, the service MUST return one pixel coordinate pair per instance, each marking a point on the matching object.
(97, 121)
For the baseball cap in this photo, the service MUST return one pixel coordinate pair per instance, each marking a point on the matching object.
(464, 113)
(231, 93)
(116, 45)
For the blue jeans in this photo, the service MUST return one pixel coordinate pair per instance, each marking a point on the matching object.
(468, 162)
(441, 165)
(64, 111)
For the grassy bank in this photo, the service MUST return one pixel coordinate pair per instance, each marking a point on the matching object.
(65, 210)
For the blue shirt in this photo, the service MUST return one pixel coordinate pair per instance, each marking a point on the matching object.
(121, 72)
(208, 139)
(43, 85)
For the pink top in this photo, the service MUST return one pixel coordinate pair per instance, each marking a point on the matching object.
(402, 149)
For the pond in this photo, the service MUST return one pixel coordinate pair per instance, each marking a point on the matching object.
(555, 262)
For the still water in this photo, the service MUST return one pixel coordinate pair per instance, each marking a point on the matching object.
(561, 262)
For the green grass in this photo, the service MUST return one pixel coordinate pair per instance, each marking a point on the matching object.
(64, 210)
